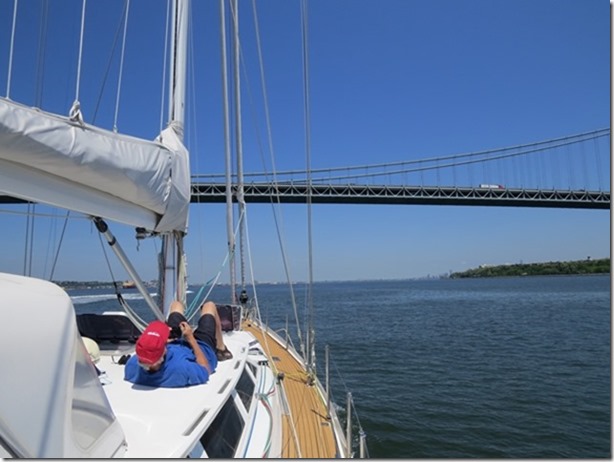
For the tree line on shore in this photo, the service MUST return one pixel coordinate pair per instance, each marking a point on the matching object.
(587, 266)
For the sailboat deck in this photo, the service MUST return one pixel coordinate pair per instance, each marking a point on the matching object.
(307, 433)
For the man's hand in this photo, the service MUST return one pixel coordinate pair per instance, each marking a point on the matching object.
(188, 334)
(186, 330)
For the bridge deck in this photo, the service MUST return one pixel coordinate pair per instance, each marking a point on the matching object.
(403, 195)
(297, 193)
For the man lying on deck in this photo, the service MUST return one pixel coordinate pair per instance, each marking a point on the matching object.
(185, 358)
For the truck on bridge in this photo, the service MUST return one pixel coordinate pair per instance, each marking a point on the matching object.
(492, 186)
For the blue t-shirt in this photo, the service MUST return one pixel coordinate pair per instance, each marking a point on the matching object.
(179, 368)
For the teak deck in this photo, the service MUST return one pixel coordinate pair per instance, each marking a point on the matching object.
(311, 436)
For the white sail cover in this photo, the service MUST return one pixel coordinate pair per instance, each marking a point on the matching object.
(50, 159)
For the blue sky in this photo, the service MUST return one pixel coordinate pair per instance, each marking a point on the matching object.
(390, 80)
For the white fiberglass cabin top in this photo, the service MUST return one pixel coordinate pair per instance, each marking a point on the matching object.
(58, 403)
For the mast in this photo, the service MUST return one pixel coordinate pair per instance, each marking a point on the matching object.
(172, 258)
(229, 216)
(239, 136)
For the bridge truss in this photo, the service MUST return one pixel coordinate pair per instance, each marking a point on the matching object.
(385, 194)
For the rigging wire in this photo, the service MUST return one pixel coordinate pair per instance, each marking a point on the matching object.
(277, 218)
(251, 272)
(79, 61)
(108, 68)
(40, 65)
(307, 118)
(11, 48)
(165, 62)
(29, 251)
(52, 237)
(193, 140)
(303, 407)
(265, 335)
(27, 270)
(57, 252)
(191, 311)
(38, 214)
(121, 66)
(134, 317)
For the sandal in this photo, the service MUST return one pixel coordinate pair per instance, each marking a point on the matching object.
(223, 355)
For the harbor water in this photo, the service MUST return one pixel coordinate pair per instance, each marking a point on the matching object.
(462, 368)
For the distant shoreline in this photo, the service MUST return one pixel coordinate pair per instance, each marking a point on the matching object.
(577, 267)
(562, 268)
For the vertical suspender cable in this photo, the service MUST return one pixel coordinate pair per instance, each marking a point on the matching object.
(8, 80)
(569, 166)
(584, 166)
(121, 66)
(598, 162)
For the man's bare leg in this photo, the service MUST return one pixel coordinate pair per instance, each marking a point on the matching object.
(209, 308)
(176, 307)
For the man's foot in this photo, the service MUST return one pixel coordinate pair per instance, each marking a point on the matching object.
(223, 355)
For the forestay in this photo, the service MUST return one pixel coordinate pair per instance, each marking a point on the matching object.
(53, 160)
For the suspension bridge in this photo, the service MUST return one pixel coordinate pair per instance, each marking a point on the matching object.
(566, 172)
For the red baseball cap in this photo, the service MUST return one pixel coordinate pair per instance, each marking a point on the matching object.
(152, 342)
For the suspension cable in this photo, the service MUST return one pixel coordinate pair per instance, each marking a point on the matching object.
(121, 67)
(441, 166)
(554, 142)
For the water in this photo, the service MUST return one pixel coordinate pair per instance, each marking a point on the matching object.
(485, 368)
